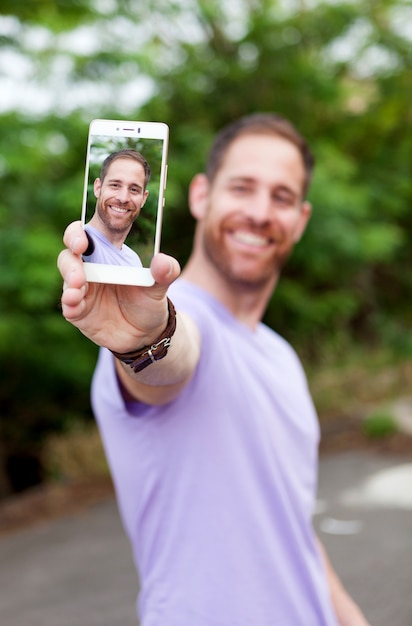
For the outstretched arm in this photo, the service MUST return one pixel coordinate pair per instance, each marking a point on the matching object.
(124, 318)
(347, 612)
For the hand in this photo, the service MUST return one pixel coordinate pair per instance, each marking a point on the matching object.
(347, 611)
(119, 317)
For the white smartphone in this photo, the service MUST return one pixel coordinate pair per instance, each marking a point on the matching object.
(123, 199)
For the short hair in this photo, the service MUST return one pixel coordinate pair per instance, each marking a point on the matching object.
(263, 124)
(126, 153)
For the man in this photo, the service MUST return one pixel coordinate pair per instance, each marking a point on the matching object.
(121, 192)
(208, 424)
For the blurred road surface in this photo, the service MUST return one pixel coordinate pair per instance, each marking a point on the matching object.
(79, 570)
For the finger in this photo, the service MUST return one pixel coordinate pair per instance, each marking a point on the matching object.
(165, 269)
(75, 238)
(73, 310)
(73, 300)
(71, 268)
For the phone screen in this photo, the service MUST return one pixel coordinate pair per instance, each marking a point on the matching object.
(125, 179)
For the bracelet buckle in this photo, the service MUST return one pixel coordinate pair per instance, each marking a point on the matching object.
(139, 359)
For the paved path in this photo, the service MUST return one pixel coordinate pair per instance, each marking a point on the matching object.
(77, 571)
(365, 521)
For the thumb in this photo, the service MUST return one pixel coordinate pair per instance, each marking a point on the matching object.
(165, 269)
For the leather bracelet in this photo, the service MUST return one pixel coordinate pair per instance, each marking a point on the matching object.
(140, 359)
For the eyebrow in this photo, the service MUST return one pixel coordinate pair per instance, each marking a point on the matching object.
(251, 181)
(286, 189)
(119, 180)
(246, 179)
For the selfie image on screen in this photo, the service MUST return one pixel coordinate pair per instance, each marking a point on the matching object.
(123, 187)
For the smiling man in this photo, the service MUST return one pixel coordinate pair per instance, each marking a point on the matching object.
(121, 192)
(251, 212)
(205, 413)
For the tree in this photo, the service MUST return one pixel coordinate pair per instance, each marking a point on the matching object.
(341, 72)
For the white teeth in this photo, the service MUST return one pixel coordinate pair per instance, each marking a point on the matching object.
(250, 239)
(118, 209)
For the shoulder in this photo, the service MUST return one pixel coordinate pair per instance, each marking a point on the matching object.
(279, 349)
(192, 300)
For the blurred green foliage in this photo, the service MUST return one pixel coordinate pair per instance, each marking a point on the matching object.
(379, 424)
(340, 71)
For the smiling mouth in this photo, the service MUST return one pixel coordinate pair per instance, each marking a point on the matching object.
(118, 209)
(251, 239)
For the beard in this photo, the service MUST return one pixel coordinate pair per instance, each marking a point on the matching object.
(113, 225)
(237, 273)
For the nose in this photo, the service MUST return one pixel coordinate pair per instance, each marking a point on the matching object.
(122, 194)
(260, 208)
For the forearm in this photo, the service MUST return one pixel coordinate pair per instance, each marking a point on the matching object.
(162, 380)
(123, 318)
(347, 611)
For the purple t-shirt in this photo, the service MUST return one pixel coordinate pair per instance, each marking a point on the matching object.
(106, 252)
(216, 489)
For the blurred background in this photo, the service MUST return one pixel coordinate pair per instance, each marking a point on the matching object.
(341, 71)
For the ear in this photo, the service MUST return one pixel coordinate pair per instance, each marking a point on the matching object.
(146, 193)
(305, 213)
(97, 185)
(199, 196)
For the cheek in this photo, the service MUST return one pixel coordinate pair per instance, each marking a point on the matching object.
(103, 196)
(291, 227)
(299, 229)
(210, 220)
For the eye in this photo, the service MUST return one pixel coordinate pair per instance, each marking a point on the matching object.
(283, 200)
(239, 188)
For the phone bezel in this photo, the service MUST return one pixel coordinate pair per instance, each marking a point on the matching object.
(122, 274)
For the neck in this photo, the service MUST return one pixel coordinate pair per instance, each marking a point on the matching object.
(117, 239)
(247, 303)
